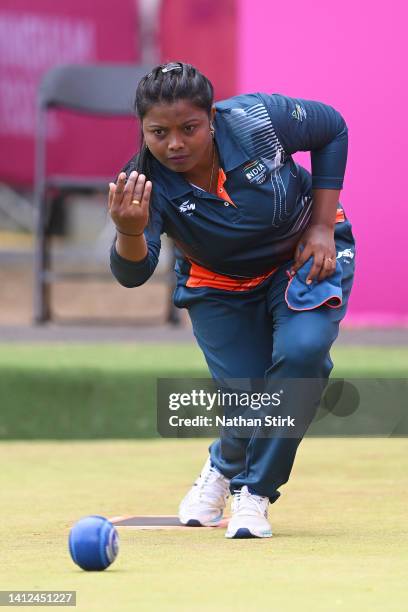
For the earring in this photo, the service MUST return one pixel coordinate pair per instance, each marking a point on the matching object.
(212, 130)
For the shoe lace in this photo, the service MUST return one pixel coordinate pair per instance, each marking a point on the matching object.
(249, 502)
(211, 486)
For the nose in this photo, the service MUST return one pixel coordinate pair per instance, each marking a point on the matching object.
(175, 142)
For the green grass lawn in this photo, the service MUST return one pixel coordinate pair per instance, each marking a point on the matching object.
(340, 532)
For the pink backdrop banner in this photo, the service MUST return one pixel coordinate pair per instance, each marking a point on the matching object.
(36, 35)
(202, 33)
(351, 55)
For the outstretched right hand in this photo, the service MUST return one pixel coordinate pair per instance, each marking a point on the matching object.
(129, 203)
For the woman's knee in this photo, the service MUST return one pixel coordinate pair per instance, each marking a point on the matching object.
(303, 350)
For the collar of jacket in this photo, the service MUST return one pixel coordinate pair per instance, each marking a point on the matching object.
(230, 152)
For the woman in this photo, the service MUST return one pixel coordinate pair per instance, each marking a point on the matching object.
(220, 180)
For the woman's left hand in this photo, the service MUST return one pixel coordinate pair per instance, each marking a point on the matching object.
(317, 241)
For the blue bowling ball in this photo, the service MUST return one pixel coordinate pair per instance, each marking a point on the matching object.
(93, 543)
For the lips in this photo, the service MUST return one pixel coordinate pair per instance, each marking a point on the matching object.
(178, 158)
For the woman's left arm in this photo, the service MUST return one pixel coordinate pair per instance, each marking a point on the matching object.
(307, 125)
(318, 239)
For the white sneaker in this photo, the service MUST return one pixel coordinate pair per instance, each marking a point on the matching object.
(249, 516)
(204, 504)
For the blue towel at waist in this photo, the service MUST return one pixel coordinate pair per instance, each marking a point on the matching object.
(300, 296)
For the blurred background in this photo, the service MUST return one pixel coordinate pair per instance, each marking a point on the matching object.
(85, 149)
(330, 54)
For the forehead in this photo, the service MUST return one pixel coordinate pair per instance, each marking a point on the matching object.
(174, 113)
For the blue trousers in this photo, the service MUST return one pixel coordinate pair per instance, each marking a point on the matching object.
(255, 335)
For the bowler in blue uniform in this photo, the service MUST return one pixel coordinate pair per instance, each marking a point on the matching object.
(265, 255)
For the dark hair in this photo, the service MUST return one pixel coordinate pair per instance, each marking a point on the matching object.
(168, 83)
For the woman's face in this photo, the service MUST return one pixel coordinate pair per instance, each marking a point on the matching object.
(178, 135)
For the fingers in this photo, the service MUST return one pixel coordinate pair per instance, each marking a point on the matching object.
(138, 187)
(301, 257)
(146, 194)
(316, 268)
(129, 201)
(323, 265)
(328, 267)
(141, 194)
(122, 193)
(116, 192)
(112, 189)
(129, 191)
(120, 188)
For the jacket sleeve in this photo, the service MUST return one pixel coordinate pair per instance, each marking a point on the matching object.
(135, 273)
(305, 125)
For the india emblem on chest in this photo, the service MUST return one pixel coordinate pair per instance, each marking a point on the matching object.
(255, 172)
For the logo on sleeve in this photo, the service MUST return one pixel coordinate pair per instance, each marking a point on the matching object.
(299, 113)
(346, 254)
(255, 172)
(187, 207)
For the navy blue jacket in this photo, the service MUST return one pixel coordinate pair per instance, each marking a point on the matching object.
(256, 135)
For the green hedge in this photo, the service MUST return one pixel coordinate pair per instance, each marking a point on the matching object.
(109, 391)
(75, 404)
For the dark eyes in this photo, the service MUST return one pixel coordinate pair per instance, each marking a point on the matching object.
(189, 129)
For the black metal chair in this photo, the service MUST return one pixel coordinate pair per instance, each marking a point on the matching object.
(100, 89)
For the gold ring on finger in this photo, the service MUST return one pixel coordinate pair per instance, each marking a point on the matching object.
(136, 202)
